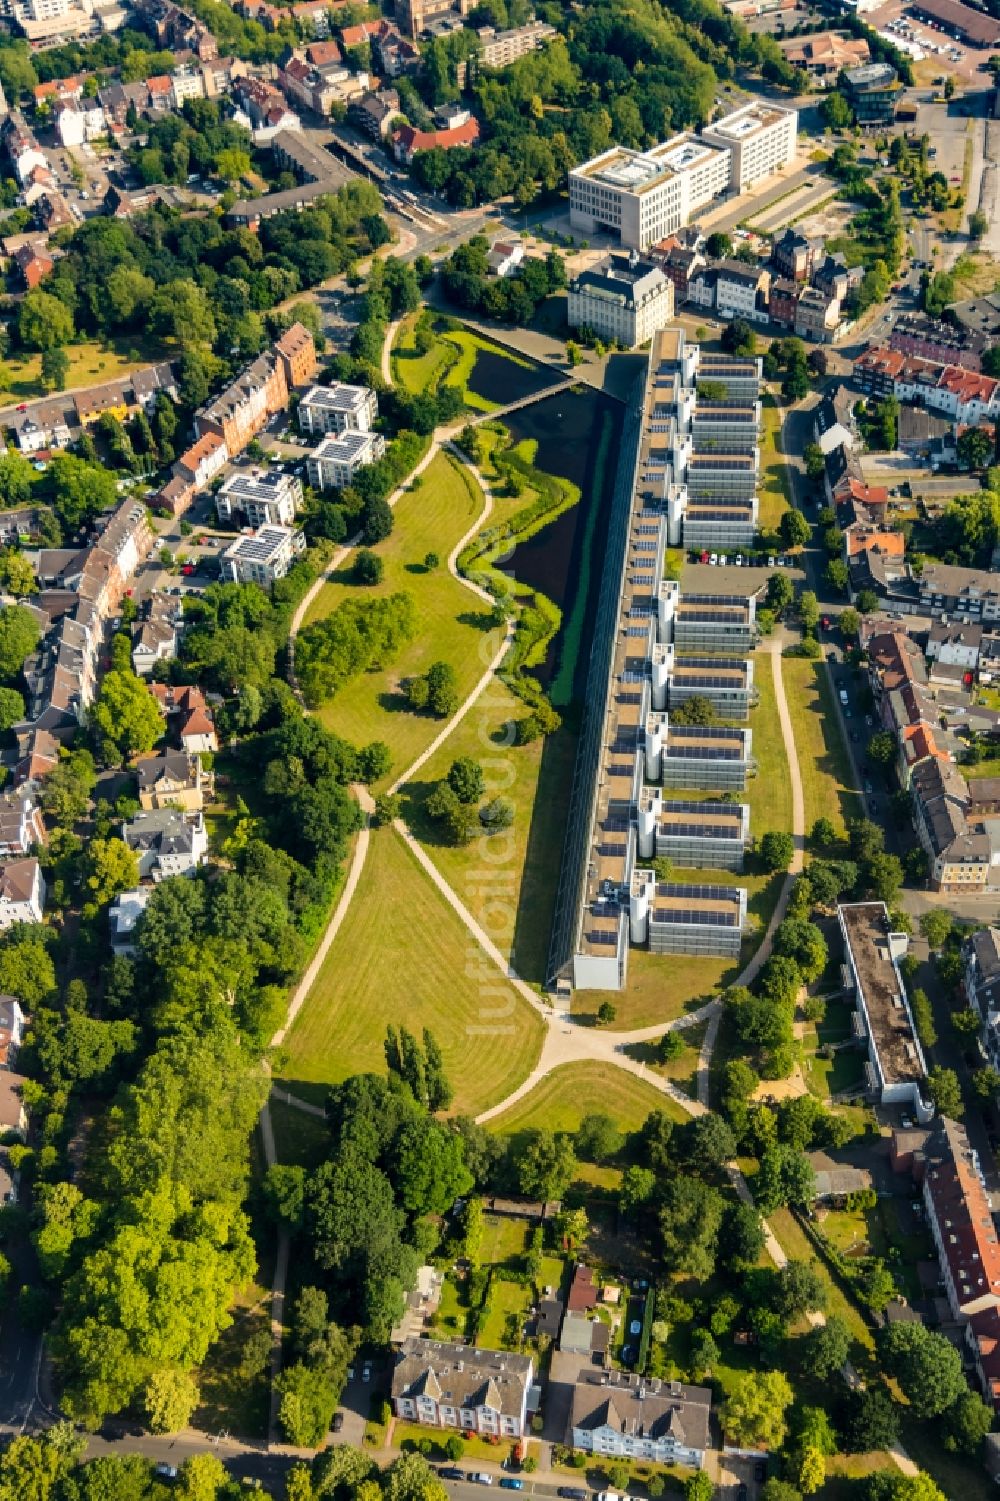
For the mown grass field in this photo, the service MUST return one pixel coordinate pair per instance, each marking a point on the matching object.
(564, 1097)
(773, 490)
(507, 882)
(89, 365)
(452, 625)
(827, 784)
(403, 956)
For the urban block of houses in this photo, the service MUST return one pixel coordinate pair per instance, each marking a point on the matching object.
(621, 300)
(621, 1415)
(173, 779)
(374, 113)
(462, 1387)
(732, 289)
(961, 858)
(954, 391)
(54, 421)
(337, 408)
(318, 174)
(333, 464)
(417, 16)
(895, 1072)
(260, 497)
(22, 892)
(168, 841)
(264, 557)
(933, 339)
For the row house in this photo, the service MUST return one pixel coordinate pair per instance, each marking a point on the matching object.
(60, 90)
(981, 980)
(817, 315)
(732, 289)
(679, 263)
(961, 857)
(156, 634)
(22, 827)
(956, 392)
(834, 424)
(621, 1415)
(21, 148)
(933, 339)
(240, 411)
(782, 300)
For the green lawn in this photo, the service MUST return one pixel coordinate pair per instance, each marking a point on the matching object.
(773, 489)
(564, 1097)
(985, 768)
(508, 882)
(794, 1243)
(450, 361)
(452, 622)
(403, 956)
(89, 365)
(507, 1300)
(823, 765)
(300, 1140)
(663, 987)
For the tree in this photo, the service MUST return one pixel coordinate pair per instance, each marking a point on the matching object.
(785, 1176)
(803, 942)
(946, 1092)
(808, 609)
(44, 321)
(307, 1404)
(695, 710)
(708, 1143)
(55, 368)
(699, 1487)
(547, 1166)
(19, 635)
(739, 338)
(11, 708)
(442, 689)
(779, 592)
(794, 529)
(690, 1221)
(882, 748)
(606, 1013)
(753, 1415)
(598, 1139)
(126, 720)
(718, 246)
(871, 1420)
(376, 520)
(466, 779)
(967, 1422)
(776, 850)
(926, 1365)
(975, 448)
(824, 1350)
(801, 1289)
(936, 926)
(835, 111)
(850, 624)
(369, 568)
(26, 967)
(111, 868)
(171, 1397)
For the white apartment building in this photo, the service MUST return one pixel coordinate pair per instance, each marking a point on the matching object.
(642, 196)
(338, 409)
(623, 299)
(77, 123)
(264, 557)
(333, 465)
(462, 1387)
(261, 497)
(760, 139)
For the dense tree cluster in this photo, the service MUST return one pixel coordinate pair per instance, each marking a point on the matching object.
(513, 299)
(360, 635)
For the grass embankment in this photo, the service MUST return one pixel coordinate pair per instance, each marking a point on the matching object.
(663, 987)
(90, 364)
(449, 361)
(827, 783)
(452, 622)
(509, 882)
(773, 490)
(564, 1097)
(403, 956)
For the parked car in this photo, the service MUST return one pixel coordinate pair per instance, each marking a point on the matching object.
(508, 1483)
(338, 1421)
(165, 1472)
(480, 1477)
(572, 1493)
(451, 1472)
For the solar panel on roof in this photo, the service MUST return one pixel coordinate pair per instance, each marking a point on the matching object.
(698, 830)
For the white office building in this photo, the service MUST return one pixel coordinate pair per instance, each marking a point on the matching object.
(264, 557)
(641, 196)
(338, 409)
(333, 465)
(623, 300)
(760, 139)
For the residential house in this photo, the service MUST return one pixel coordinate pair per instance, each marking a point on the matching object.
(260, 497)
(168, 842)
(793, 254)
(11, 1030)
(834, 277)
(79, 123)
(825, 54)
(407, 140)
(22, 892)
(188, 715)
(42, 426)
(33, 264)
(584, 1292)
(333, 464)
(504, 257)
(337, 408)
(817, 315)
(622, 1415)
(782, 300)
(263, 558)
(498, 49)
(981, 980)
(961, 858)
(373, 114)
(205, 458)
(582, 1336)
(22, 827)
(123, 918)
(834, 425)
(264, 109)
(462, 1387)
(680, 263)
(173, 779)
(156, 634)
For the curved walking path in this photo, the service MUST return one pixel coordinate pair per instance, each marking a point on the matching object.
(387, 343)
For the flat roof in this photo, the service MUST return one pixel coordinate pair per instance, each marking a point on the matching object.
(749, 120)
(705, 906)
(718, 820)
(711, 670)
(637, 171)
(866, 926)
